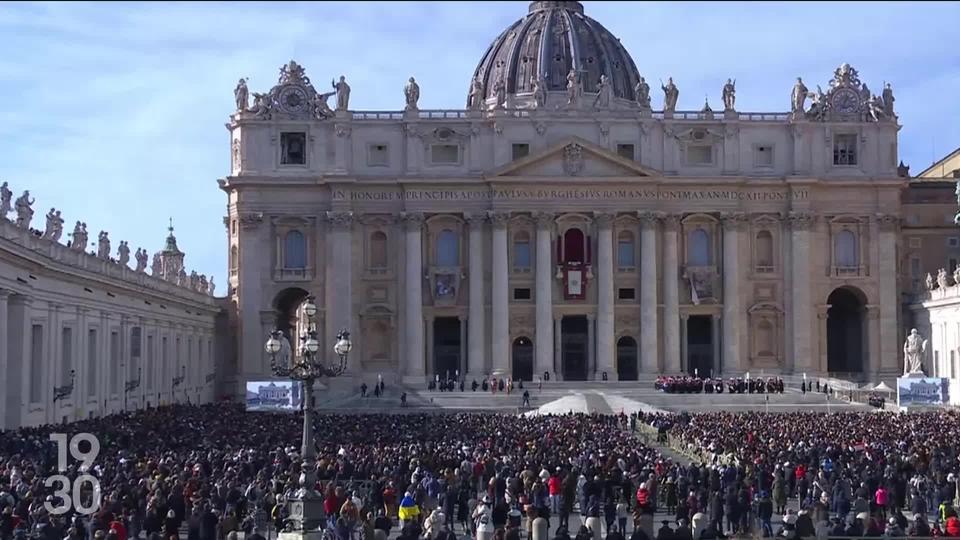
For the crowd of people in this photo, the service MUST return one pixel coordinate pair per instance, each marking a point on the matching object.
(685, 384)
(209, 472)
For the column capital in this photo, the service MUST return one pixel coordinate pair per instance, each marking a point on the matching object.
(736, 221)
(250, 220)
(591, 317)
(544, 219)
(475, 219)
(671, 222)
(684, 316)
(887, 222)
(498, 219)
(340, 220)
(412, 220)
(4, 294)
(801, 221)
(649, 218)
(716, 316)
(604, 220)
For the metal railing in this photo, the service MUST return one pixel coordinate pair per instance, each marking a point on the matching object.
(458, 114)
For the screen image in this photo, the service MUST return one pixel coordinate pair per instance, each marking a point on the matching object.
(282, 396)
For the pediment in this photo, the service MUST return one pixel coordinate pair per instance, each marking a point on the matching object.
(574, 157)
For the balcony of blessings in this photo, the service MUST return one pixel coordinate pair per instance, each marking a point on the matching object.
(561, 194)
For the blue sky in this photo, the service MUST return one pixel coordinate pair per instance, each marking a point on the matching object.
(115, 112)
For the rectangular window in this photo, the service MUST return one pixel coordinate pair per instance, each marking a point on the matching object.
(845, 149)
(149, 364)
(915, 243)
(626, 151)
(625, 255)
(136, 344)
(521, 255)
(915, 267)
(953, 241)
(444, 154)
(699, 154)
(520, 150)
(521, 294)
(762, 156)
(114, 362)
(626, 294)
(164, 361)
(293, 148)
(36, 363)
(66, 350)
(377, 155)
(91, 373)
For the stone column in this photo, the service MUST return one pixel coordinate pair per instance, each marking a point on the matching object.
(543, 343)
(606, 360)
(500, 347)
(648, 292)
(339, 288)
(684, 360)
(476, 335)
(255, 266)
(719, 362)
(557, 367)
(4, 355)
(431, 361)
(801, 318)
(413, 310)
(591, 349)
(733, 314)
(463, 346)
(671, 296)
(886, 361)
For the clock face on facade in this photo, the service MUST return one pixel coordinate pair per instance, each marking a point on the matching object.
(293, 99)
(846, 101)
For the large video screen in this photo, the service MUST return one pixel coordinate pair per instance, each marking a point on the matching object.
(273, 396)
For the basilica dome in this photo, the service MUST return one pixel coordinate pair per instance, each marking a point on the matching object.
(553, 38)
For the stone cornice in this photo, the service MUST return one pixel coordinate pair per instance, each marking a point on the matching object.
(49, 257)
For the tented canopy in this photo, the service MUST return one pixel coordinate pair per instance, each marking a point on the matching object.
(882, 387)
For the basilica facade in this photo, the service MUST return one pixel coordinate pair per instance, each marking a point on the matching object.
(565, 224)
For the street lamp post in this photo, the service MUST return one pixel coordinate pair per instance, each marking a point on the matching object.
(130, 387)
(306, 506)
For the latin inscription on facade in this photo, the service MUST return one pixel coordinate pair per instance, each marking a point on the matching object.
(580, 194)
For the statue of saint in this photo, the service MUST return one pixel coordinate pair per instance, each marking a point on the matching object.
(671, 94)
(103, 245)
(261, 105)
(123, 253)
(182, 279)
(141, 257)
(604, 91)
(942, 281)
(203, 284)
(888, 100)
(864, 93)
(914, 348)
(729, 94)
(411, 92)
(641, 93)
(194, 280)
(321, 110)
(929, 282)
(212, 287)
(476, 95)
(51, 224)
(156, 267)
(574, 88)
(241, 95)
(24, 211)
(5, 196)
(500, 92)
(798, 97)
(343, 93)
(539, 92)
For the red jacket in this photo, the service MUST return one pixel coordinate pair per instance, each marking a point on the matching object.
(554, 485)
(119, 528)
(953, 527)
(643, 496)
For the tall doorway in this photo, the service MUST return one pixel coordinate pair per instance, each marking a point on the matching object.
(522, 359)
(627, 359)
(446, 346)
(700, 345)
(573, 347)
(845, 331)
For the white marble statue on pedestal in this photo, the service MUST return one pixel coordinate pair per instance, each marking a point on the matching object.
(24, 211)
(5, 197)
(914, 349)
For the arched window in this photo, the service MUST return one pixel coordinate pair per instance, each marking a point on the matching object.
(573, 246)
(448, 249)
(625, 249)
(521, 250)
(764, 249)
(378, 250)
(698, 248)
(765, 338)
(294, 250)
(845, 249)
